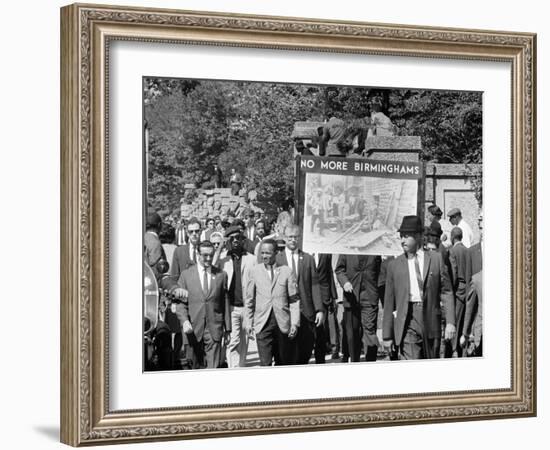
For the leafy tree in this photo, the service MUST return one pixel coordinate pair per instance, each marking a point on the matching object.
(247, 126)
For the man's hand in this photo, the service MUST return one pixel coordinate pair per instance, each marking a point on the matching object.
(348, 287)
(450, 332)
(292, 332)
(227, 337)
(463, 340)
(249, 331)
(180, 293)
(388, 343)
(319, 318)
(187, 328)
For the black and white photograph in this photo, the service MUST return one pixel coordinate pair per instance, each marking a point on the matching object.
(291, 224)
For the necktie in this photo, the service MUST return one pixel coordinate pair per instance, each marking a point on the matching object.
(294, 265)
(271, 272)
(418, 275)
(205, 283)
(194, 255)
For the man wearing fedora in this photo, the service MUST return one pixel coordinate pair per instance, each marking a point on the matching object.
(417, 284)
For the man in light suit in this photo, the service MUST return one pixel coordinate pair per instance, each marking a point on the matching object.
(186, 255)
(272, 308)
(237, 265)
(312, 313)
(204, 311)
(417, 283)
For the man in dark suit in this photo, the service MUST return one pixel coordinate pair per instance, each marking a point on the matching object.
(272, 307)
(186, 255)
(417, 283)
(358, 276)
(472, 334)
(458, 255)
(323, 266)
(433, 243)
(262, 231)
(204, 311)
(250, 226)
(312, 313)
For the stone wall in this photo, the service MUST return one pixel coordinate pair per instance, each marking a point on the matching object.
(450, 186)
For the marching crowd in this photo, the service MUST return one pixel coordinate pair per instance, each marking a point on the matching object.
(227, 282)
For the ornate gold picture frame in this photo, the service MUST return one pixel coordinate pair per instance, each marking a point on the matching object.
(87, 31)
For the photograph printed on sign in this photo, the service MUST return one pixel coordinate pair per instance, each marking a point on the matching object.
(290, 224)
(352, 211)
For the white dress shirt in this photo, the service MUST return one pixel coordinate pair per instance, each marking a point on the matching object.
(414, 292)
(292, 255)
(201, 270)
(467, 233)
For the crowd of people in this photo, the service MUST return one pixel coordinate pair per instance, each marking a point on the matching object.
(227, 281)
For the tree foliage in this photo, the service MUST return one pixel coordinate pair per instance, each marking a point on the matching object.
(247, 126)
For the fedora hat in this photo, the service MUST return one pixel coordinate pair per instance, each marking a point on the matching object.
(411, 224)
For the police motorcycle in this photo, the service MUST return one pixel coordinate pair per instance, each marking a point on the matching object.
(162, 338)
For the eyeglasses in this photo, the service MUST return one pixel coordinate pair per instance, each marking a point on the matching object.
(234, 238)
(194, 231)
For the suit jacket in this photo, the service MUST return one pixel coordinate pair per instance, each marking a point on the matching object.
(181, 260)
(437, 289)
(473, 317)
(202, 311)
(359, 271)
(247, 262)
(309, 290)
(444, 251)
(326, 279)
(279, 295)
(475, 260)
(458, 255)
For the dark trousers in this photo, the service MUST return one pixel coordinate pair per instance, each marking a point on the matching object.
(415, 344)
(359, 325)
(205, 353)
(351, 323)
(305, 340)
(274, 345)
(369, 322)
(322, 340)
(460, 311)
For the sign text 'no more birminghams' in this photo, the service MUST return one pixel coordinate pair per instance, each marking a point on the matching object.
(358, 167)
